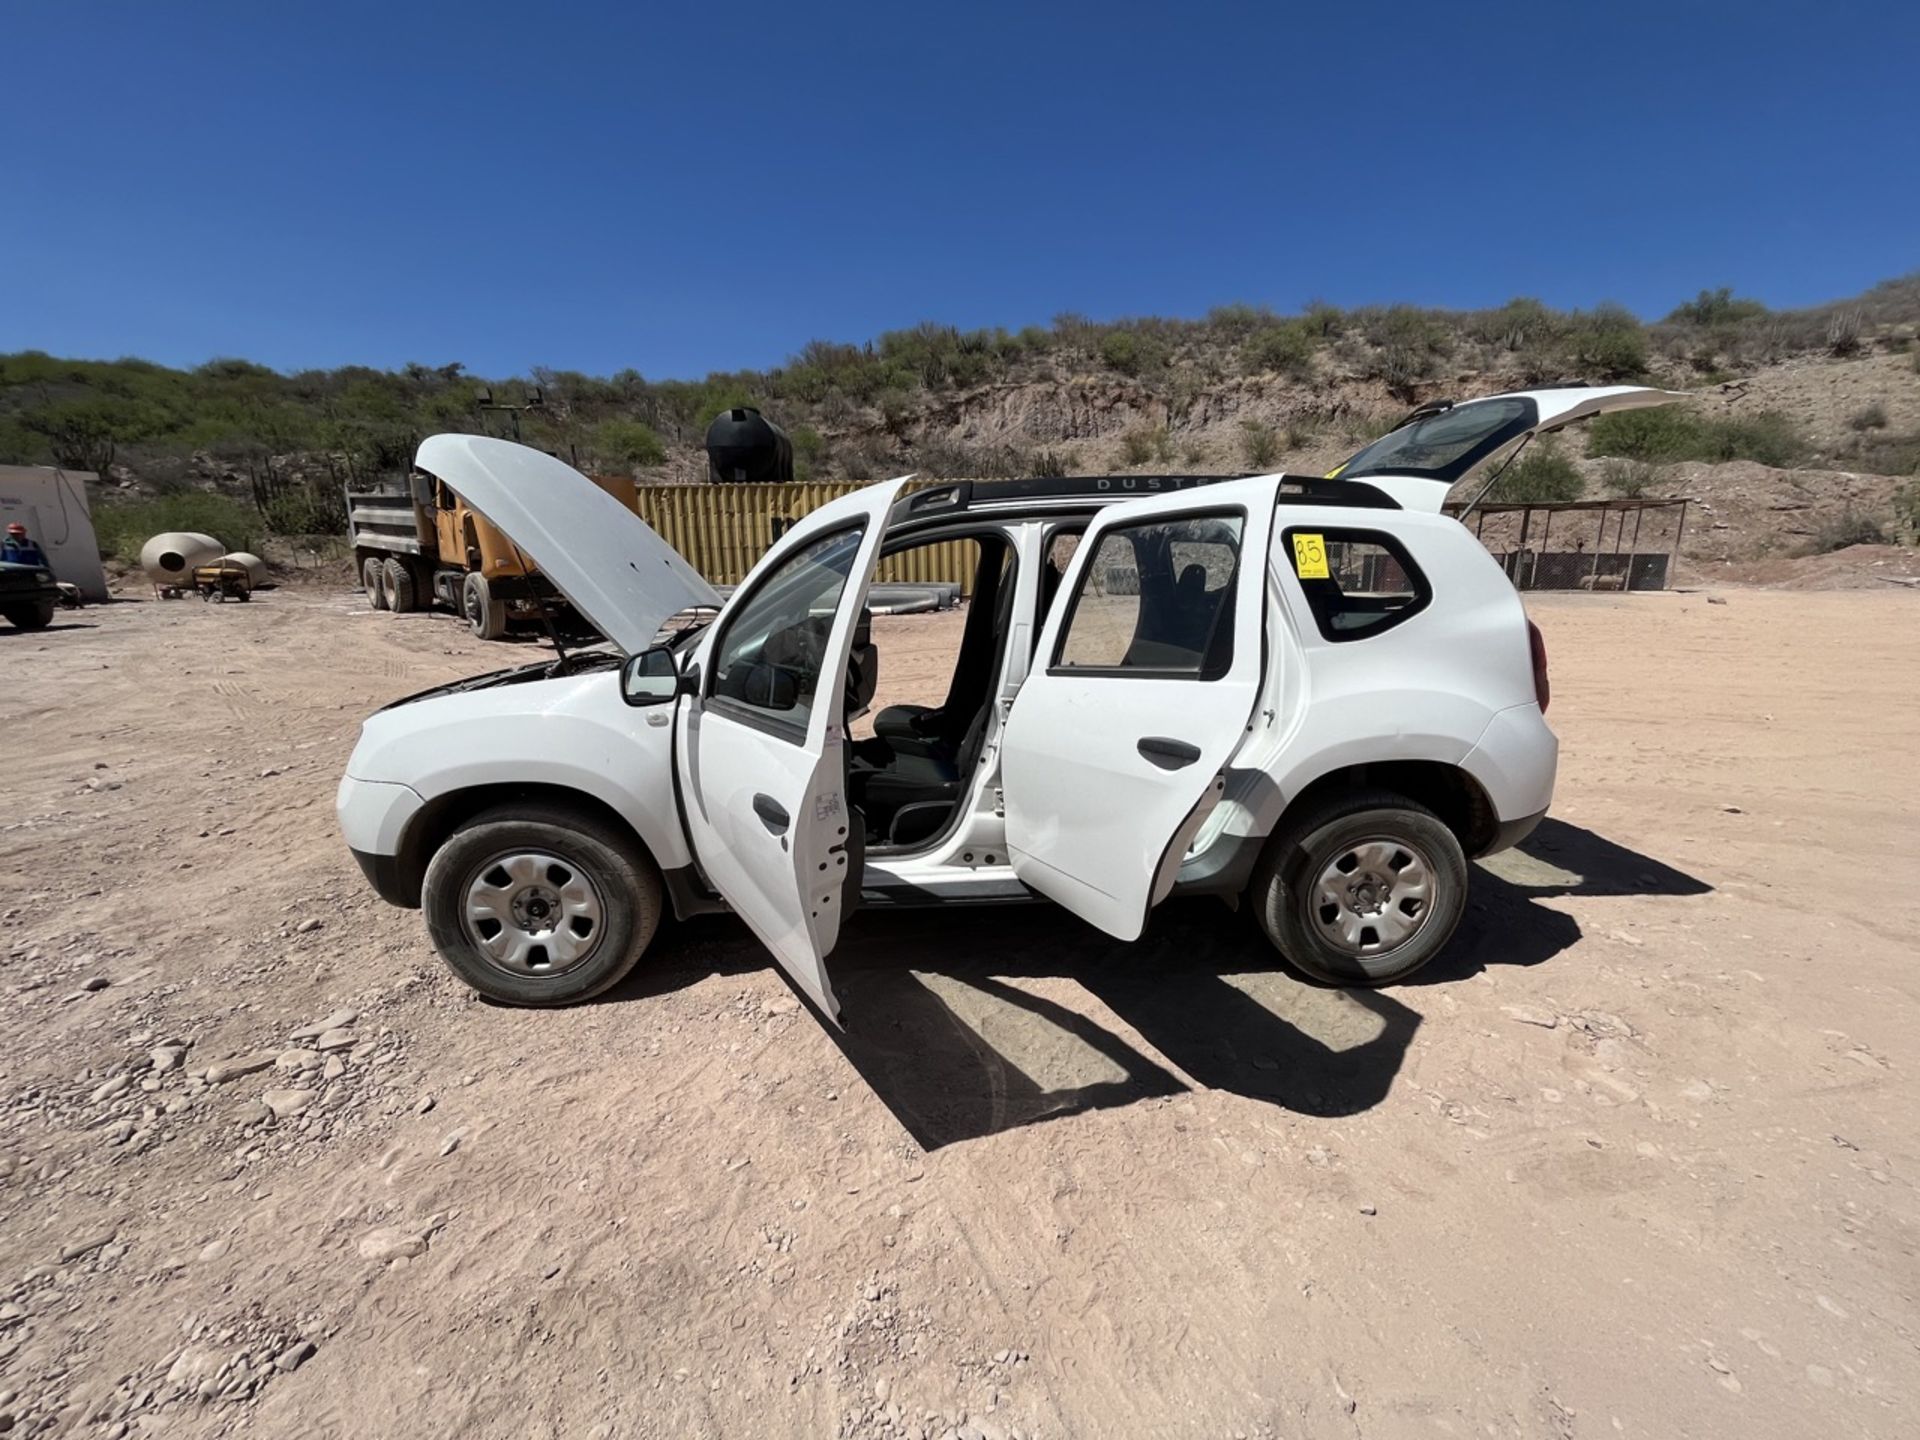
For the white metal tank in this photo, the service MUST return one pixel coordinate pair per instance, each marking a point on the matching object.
(169, 559)
(256, 567)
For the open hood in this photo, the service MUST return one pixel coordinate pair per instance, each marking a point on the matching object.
(1418, 462)
(610, 566)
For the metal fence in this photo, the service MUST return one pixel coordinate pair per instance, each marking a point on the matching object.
(1623, 544)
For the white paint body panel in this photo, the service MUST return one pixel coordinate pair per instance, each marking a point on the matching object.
(604, 558)
(1090, 818)
(787, 885)
(574, 732)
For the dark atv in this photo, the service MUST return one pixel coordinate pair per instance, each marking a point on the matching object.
(27, 596)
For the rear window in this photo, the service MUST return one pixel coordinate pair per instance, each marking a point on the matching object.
(1357, 582)
(1445, 445)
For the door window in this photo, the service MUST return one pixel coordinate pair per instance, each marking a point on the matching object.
(768, 659)
(1357, 582)
(1156, 598)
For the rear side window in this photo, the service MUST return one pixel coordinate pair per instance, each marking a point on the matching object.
(1156, 598)
(1357, 582)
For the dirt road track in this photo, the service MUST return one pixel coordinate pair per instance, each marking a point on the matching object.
(1636, 1157)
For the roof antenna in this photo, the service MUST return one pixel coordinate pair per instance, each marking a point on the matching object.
(1493, 479)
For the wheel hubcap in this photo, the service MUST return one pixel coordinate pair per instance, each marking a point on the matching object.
(1373, 896)
(532, 913)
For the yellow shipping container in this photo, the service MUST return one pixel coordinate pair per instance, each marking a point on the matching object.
(724, 529)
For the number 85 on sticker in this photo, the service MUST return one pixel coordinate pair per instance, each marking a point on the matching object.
(1310, 557)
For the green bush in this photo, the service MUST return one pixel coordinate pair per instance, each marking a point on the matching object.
(1131, 353)
(1148, 442)
(1870, 417)
(1716, 307)
(1259, 444)
(1849, 527)
(123, 528)
(629, 443)
(1285, 348)
(1673, 434)
(1608, 343)
(1906, 512)
(1632, 478)
(1541, 474)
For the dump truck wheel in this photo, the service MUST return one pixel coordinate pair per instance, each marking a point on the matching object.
(373, 577)
(402, 598)
(486, 615)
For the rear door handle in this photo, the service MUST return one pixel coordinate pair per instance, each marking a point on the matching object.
(1169, 754)
(772, 814)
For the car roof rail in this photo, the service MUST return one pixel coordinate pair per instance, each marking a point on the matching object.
(960, 495)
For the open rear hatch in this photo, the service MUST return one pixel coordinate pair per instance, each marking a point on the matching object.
(1437, 446)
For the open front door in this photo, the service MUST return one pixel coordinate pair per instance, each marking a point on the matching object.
(763, 746)
(1142, 687)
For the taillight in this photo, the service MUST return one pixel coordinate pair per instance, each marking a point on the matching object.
(1537, 643)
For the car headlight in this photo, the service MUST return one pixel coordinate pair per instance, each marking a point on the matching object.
(45, 577)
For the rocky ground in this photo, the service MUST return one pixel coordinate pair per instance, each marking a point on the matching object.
(1637, 1156)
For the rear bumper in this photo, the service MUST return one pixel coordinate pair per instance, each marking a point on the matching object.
(1515, 764)
(1512, 832)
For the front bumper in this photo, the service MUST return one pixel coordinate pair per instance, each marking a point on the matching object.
(374, 815)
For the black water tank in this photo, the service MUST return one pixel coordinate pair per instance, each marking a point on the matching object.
(744, 446)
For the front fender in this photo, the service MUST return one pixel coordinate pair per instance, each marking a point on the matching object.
(573, 733)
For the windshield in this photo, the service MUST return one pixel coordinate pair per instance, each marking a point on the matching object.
(1445, 445)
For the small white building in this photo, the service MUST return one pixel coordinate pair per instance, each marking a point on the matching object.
(52, 504)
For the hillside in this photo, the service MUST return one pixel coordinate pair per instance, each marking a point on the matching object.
(1819, 409)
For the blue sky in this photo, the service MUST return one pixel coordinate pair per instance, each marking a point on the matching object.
(680, 189)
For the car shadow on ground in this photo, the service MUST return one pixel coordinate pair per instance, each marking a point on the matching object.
(53, 629)
(941, 1026)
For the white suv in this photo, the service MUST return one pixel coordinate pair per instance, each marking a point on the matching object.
(1321, 694)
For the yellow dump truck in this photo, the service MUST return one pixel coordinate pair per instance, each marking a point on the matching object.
(419, 545)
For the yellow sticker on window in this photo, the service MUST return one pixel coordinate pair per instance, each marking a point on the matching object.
(1310, 557)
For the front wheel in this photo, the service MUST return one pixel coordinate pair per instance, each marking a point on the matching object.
(1362, 890)
(30, 617)
(486, 612)
(535, 905)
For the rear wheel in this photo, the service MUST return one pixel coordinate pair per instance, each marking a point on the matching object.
(1363, 889)
(373, 577)
(30, 617)
(486, 614)
(535, 905)
(402, 598)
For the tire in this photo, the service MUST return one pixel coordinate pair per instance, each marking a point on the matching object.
(36, 616)
(486, 616)
(1344, 932)
(373, 578)
(402, 598)
(557, 858)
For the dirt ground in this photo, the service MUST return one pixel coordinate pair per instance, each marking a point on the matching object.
(1637, 1156)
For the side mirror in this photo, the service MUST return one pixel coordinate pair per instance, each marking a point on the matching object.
(650, 678)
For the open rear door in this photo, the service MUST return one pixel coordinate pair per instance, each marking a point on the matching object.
(1143, 686)
(763, 746)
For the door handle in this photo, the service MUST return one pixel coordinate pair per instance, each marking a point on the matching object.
(1168, 754)
(774, 815)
